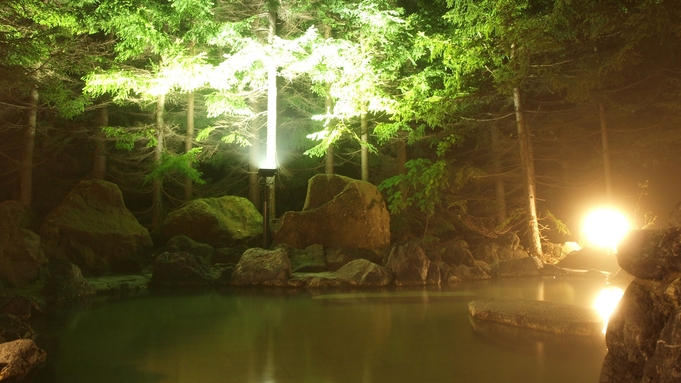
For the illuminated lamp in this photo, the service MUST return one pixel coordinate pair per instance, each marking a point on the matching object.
(605, 228)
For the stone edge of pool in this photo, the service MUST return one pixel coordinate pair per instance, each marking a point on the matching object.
(557, 318)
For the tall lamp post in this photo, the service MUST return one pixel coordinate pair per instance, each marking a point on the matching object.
(264, 174)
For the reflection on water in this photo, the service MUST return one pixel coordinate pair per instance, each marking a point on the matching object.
(606, 301)
(387, 336)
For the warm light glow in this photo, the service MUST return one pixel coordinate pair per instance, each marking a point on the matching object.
(606, 302)
(605, 228)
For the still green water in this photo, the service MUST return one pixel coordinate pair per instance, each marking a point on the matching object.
(248, 336)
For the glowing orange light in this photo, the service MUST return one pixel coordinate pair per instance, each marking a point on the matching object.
(605, 228)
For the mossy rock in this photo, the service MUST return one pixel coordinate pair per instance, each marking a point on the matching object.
(220, 222)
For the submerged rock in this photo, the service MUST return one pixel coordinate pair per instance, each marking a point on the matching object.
(338, 212)
(18, 359)
(93, 229)
(220, 222)
(551, 317)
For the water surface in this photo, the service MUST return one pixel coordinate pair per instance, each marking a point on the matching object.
(275, 336)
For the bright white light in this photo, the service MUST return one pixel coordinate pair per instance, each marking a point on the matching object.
(605, 228)
(606, 302)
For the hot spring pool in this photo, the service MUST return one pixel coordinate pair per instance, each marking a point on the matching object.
(277, 336)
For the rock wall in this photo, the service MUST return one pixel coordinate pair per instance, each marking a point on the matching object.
(644, 332)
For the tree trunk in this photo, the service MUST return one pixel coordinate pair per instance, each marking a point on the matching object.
(254, 157)
(401, 156)
(328, 156)
(328, 104)
(364, 123)
(499, 186)
(26, 173)
(188, 144)
(606, 152)
(527, 165)
(270, 158)
(157, 187)
(99, 166)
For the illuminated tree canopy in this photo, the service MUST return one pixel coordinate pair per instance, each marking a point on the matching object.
(361, 79)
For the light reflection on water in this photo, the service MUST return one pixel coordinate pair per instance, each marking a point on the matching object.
(248, 336)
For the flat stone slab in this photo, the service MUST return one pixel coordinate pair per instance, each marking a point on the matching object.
(552, 317)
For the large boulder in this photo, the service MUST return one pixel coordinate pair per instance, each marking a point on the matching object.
(338, 212)
(635, 330)
(262, 267)
(220, 222)
(21, 259)
(18, 359)
(409, 265)
(93, 229)
(502, 248)
(180, 269)
(651, 254)
(642, 336)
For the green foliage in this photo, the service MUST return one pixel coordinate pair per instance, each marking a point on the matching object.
(127, 138)
(560, 225)
(422, 187)
(177, 164)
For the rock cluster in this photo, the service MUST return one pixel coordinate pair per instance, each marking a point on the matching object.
(643, 338)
